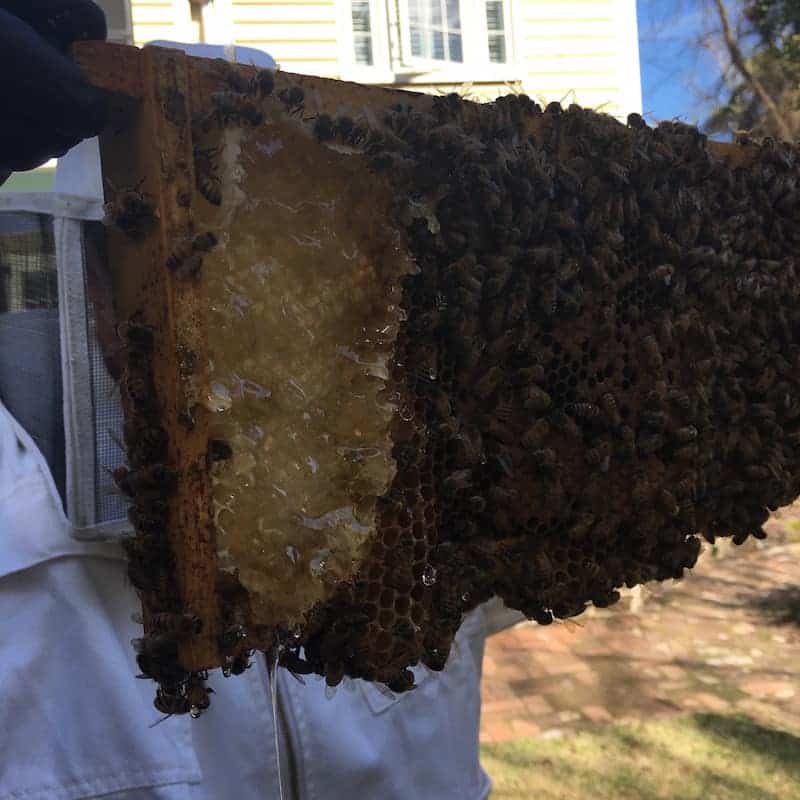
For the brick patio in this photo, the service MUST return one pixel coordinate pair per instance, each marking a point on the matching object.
(701, 644)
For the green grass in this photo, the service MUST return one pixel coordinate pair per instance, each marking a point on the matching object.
(36, 180)
(791, 531)
(701, 757)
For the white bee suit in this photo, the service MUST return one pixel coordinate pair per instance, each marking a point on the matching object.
(76, 723)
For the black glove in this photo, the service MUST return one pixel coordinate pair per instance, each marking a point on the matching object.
(47, 105)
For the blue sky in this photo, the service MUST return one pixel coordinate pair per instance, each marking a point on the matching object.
(676, 72)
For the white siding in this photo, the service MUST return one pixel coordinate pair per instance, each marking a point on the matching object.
(581, 51)
(152, 19)
(301, 35)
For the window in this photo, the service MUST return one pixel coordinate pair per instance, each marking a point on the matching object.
(118, 20)
(406, 42)
(434, 30)
(362, 33)
(496, 30)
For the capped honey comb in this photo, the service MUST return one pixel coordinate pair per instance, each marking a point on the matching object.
(392, 355)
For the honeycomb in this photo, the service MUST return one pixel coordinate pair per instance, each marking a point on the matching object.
(304, 291)
(458, 351)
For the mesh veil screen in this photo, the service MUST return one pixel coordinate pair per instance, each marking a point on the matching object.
(106, 404)
(30, 356)
(30, 351)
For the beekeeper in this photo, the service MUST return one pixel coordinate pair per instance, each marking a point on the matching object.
(74, 721)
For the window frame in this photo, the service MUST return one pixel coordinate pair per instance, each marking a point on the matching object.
(476, 65)
(380, 71)
(389, 23)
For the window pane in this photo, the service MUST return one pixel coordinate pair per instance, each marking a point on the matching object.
(434, 12)
(437, 45)
(417, 42)
(453, 15)
(363, 50)
(497, 48)
(361, 22)
(454, 41)
(415, 11)
(494, 15)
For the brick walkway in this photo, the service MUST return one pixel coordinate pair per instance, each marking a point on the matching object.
(702, 644)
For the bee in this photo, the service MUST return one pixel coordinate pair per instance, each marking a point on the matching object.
(687, 512)
(636, 122)
(156, 479)
(528, 375)
(486, 385)
(263, 82)
(131, 211)
(207, 178)
(680, 399)
(219, 450)
(197, 695)
(240, 663)
(169, 703)
(688, 452)
(138, 334)
(139, 389)
(504, 410)
(476, 504)
(145, 443)
(663, 274)
(176, 625)
(232, 76)
(324, 128)
(292, 98)
(655, 420)
(233, 107)
(186, 259)
(650, 444)
(157, 658)
(537, 399)
(669, 503)
(686, 434)
(597, 455)
(535, 435)
(605, 528)
(596, 272)
(545, 459)
(402, 682)
(297, 666)
(548, 298)
(609, 405)
(584, 410)
(582, 525)
(762, 411)
(652, 352)
(458, 481)
(641, 492)
(565, 423)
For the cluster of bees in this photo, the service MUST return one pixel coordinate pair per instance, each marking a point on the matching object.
(599, 365)
(601, 354)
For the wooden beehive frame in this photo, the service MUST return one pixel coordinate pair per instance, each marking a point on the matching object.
(148, 147)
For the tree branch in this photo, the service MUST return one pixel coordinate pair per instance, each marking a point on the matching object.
(738, 60)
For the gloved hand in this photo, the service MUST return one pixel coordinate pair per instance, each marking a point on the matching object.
(47, 106)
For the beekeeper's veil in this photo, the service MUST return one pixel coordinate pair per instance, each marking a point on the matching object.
(55, 309)
(53, 377)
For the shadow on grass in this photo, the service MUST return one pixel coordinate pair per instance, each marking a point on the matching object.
(781, 606)
(743, 733)
(702, 757)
